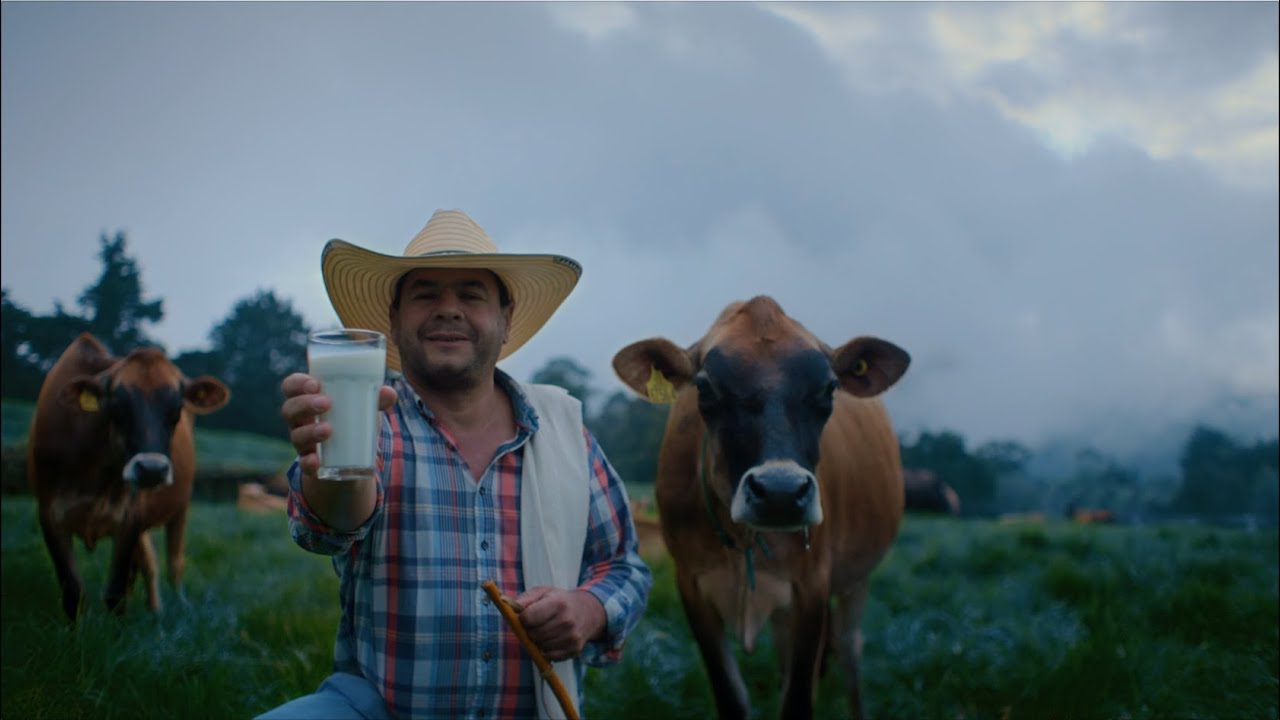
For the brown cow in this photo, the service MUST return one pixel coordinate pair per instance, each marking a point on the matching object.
(779, 487)
(111, 453)
(926, 492)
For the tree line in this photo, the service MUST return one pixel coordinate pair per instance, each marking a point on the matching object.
(1219, 477)
(263, 338)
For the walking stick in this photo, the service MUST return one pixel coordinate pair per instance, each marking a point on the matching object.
(509, 608)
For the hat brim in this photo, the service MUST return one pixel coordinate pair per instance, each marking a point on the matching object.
(360, 283)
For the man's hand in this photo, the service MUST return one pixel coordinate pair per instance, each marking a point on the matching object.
(342, 505)
(561, 622)
(303, 403)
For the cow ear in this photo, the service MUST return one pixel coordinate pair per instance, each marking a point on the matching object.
(83, 393)
(868, 366)
(654, 368)
(205, 394)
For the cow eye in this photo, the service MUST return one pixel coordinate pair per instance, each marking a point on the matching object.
(119, 407)
(826, 395)
(707, 395)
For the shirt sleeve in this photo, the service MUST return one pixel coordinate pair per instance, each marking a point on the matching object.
(313, 534)
(612, 569)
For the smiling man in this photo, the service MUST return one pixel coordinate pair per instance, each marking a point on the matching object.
(479, 477)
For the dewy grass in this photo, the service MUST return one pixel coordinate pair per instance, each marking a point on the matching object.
(966, 619)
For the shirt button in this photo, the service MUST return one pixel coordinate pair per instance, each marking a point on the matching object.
(484, 544)
(484, 490)
(485, 655)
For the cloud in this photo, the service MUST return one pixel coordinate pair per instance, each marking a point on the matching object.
(1032, 199)
(596, 20)
(1197, 83)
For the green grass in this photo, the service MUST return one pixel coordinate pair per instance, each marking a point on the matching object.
(256, 626)
(216, 450)
(15, 420)
(968, 619)
(228, 451)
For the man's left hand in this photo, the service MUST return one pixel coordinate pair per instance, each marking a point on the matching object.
(561, 622)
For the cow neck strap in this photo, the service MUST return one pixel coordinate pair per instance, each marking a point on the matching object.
(725, 538)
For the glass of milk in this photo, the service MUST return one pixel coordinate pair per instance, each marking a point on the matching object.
(350, 365)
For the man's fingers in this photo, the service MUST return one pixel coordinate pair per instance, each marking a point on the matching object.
(305, 437)
(532, 595)
(386, 398)
(299, 384)
(309, 463)
(303, 409)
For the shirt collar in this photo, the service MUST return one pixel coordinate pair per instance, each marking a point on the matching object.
(525, 417)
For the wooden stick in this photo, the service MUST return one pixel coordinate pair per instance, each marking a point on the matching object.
(509, 608)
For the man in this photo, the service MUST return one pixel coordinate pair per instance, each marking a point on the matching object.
(478, 477)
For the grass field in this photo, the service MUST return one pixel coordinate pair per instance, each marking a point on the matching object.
(969, 619)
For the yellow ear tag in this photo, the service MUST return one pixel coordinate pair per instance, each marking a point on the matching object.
(860, 367)
(88, 401)
(659, 388)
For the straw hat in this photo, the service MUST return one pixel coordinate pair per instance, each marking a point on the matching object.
(360, 282)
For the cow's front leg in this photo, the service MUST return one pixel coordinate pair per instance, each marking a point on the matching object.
(58, 542)
(144, 559)
(175, 540)
(808, 643)
(846, 635)
(717, 655)
(122, 557)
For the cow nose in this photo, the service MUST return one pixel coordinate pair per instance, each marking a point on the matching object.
(148, 470)
(776, 486)
(777, 494)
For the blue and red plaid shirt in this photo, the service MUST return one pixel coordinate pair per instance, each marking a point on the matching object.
(415, 621)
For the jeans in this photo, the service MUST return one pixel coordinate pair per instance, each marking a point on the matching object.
(342, 696)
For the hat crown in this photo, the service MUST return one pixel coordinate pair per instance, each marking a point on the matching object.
(450, 232)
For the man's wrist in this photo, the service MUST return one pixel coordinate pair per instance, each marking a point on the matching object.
(596, 608)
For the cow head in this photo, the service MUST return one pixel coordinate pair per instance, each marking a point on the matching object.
(765, 389)
(141, 398)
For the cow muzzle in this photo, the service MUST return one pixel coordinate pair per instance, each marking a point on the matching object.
(777, 495)
(148, 470)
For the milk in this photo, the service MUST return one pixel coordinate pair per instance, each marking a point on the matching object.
(350, 375)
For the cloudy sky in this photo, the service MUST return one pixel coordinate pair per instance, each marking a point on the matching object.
(1066, 213)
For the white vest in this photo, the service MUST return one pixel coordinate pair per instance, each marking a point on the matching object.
(555, 497)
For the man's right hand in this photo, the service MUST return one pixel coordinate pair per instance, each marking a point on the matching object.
(303, 404)
(342, 505)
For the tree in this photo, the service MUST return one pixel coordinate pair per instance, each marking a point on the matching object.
(1221, 477)
(32, 344)
(19, 377)
(568, 374)
(114, 305)
(1099, 482)
(114, 313)
(261, 341)
(194, 363)
(944, 453)
(1004, 457)
(630, 430)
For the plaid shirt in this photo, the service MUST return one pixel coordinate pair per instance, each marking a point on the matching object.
(415, 621)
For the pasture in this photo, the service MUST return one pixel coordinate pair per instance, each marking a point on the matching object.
(968, 619)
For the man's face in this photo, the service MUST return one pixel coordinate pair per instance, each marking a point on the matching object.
(450, 327)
